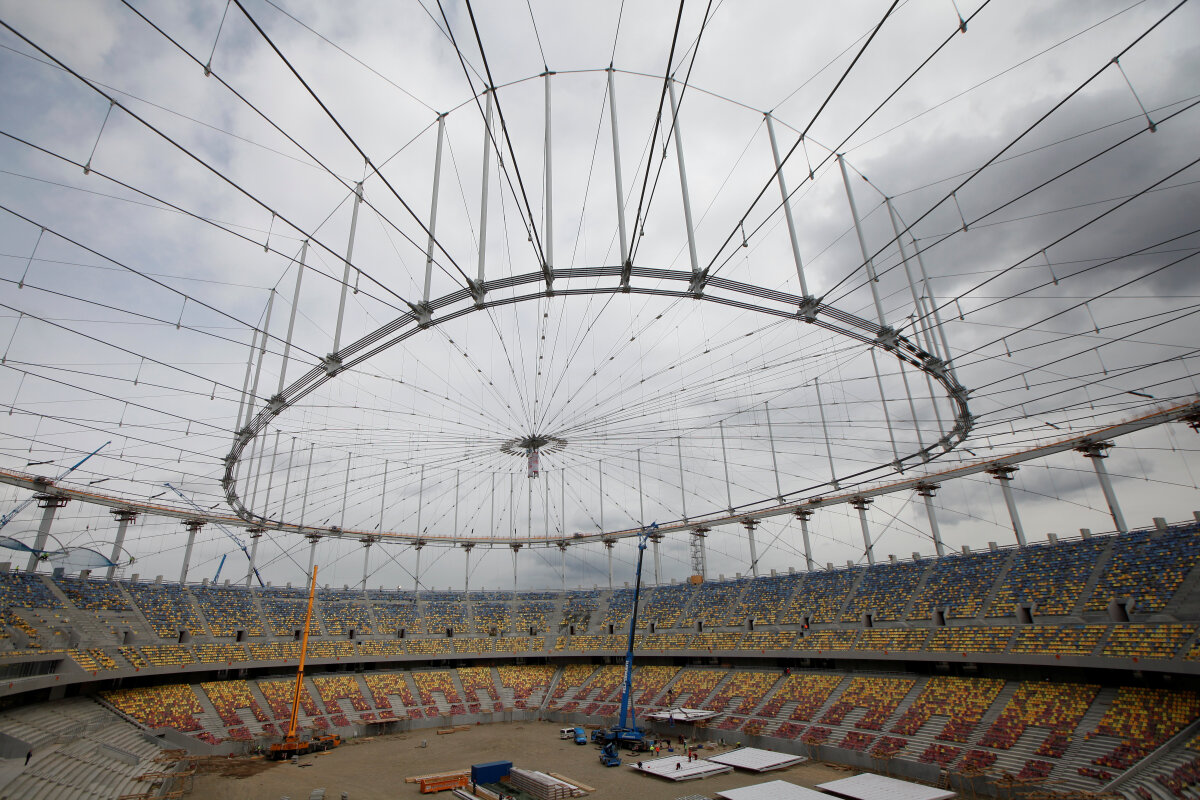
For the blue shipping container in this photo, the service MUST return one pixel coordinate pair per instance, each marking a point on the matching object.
(490, 772)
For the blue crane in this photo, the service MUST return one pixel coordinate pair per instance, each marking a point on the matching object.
(626, 732)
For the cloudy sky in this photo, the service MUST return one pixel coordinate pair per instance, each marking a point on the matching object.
(163, 168)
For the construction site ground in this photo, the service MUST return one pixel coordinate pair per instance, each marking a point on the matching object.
(376, 768)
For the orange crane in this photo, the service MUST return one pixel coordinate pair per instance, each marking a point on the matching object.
(291, 744)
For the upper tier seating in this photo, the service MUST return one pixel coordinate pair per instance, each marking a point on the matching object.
(341, 618)
(228, 610)
(885, 591)
(393, 617)
(22, 590)
(819, 597)
(534, 615)
(440, 615)
(579, 608)
(1147, 569)
(1071, 639)
(95, 595)
(168, 609)
(619, 605)
(1052, 576)
(763, 600)
(663, 605)
(490, 616)
(285, 617)
(711, 604)
(1146, 640)
(958, 584)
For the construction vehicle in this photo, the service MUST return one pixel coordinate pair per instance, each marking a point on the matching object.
(626, 733)
(291, 744)
(608, 755)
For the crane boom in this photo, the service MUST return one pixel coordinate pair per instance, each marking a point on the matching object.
(312, 591)
(626, 730)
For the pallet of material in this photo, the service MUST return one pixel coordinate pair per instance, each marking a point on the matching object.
(540, 785)
(418, 778)
(444, 731)
(573, 782)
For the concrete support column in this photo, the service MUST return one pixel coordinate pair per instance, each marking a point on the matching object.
(49, 504)
(927, 490)
(1097, 452)
(367, 541)
(123, 519)
(608, 546)
(804, 515)
(861, 504)
(419, 546)
(1004, 473)
(467, 548)
(751, 524)
(193, 525)
(562, 550)
(255, 535)
(313, 538)
(655, 538)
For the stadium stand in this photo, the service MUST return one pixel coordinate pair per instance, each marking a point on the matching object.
(1147, 568)
(228, 611)
(528, 684)
(711, 603)
(579, 608)
(1050, 577)
(166, 706)
(880, 698)
(762, 600)
(167, 608)
(958, 585)
(819, 597)
(885, 591)
(230, 696)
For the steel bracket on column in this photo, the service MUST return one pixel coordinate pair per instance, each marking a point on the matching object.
(808, 309)
(887, 338)
(478, 292)
(423, 313)
(697, 283)
(276, 404)
(332, 364)
(50, 501)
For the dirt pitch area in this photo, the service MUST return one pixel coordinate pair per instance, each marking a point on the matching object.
(376, 768)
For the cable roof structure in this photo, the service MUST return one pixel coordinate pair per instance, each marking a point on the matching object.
(520, 277)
